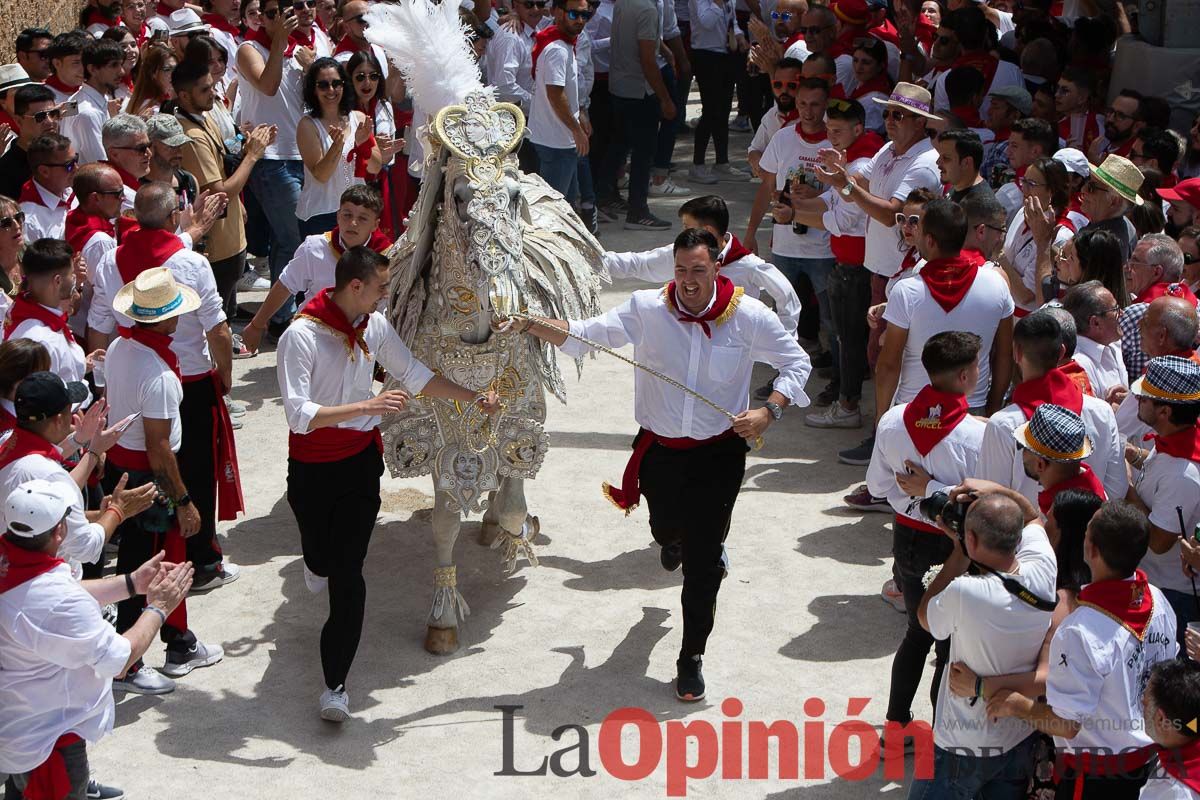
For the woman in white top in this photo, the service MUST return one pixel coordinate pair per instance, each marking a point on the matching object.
(370, 95)
(716, 38)
(1044, 186)
(331, 138)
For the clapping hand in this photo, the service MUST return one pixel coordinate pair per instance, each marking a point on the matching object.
(1040, 220)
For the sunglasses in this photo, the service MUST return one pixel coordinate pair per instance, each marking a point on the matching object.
(815, 29)
(792, 85)
(1091, 187)
(113, 193)
(781, 16)
(899, 116)
(137, 148)
(38, 53)
(363, 77)
(69, 166)
(361, 19)
(1188, 258)
(299, 4)
(336, 83)
(907, 221)
(574, 15)
(995, 228)
(50, 113)
(17, 219)
(272, 14)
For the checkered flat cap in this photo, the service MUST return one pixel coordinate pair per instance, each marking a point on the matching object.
(1055, 433)
(1170, 379)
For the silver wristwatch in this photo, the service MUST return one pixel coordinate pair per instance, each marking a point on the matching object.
(776, 410)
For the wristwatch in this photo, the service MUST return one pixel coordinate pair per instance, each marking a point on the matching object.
(848, 189)
(775, 409)
(186, 500)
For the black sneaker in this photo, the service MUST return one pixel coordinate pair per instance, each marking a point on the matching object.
(98, 791)
(859, 456)
(612, 210)
(645, 222)
(689, 679)
(671, 556)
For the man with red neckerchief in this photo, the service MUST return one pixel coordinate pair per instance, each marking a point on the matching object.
(1101, 657)
(163, 9)
(1170, 707)
(65, 56)
(970, 26)
(923, 446)
(1168, 328)
(46, 197)
(1168, 484)
(308, 33)
(1053, 445)
(354, 26)
(1038, 348)
(785, 80)
(688, 458)
(221, 19)
(36, 313)
(91, 230)
(326, 360)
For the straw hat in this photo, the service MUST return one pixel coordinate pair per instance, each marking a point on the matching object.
(1122, 176)
(1170, 379)
(910, 97)
(1055, 433)
(154, 296)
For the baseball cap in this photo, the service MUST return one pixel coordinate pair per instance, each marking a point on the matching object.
(166, 129)
(1016, 97)
(1183, 192)
(44, 394)
(1074, 160)
(35, 507)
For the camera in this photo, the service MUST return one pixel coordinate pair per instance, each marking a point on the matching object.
(953, 514)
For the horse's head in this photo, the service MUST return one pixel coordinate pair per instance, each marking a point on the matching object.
(482, 185)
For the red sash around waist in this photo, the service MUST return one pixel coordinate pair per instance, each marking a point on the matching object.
(1102, 764)
(228, 477)
(325, 445)
(629, 495)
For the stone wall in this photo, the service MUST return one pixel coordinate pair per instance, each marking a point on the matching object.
(15, 15)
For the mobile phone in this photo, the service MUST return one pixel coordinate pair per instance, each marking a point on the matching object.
(124, 424)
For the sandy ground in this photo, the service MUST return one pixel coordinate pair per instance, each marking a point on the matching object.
(596, 628)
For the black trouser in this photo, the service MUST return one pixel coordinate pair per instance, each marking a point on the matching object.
(600, 115)
(335, 504)
(635, 131)
(756, 91)
(76, 762)
(92, 496)
(1103, 787)
(690, 495)
(227, 272)
(915, 552)
(715, 74)
(849, 287)
(197, 467)
(527, 158)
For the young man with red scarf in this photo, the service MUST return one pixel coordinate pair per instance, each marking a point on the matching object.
(688, 458)
(222, 21)
(926, 445)
(314, 265)
(36, 313)
(46, 196)
(65, 55)
(1170, 707)
(1167, 488)
(1053, 445)
(1079, 125)
(163, 9)
(785, 80)
(208, 456)
(1101, 655)
(60, 654)
(326, 361)
(1038, 348)
(970, 27)
(144, 380)
(91, 229)
(558, 128)
(308, 33)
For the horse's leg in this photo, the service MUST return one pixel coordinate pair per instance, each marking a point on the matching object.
(489, 529)
(441, 636)
(514, 526)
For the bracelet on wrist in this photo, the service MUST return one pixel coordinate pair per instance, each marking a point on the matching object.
(129, 584)
(162, 615)
(120, 515)
(979, 687)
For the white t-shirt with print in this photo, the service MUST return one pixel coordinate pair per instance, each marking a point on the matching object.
(788, 151)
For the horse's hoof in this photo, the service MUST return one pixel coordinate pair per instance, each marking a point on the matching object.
(488, 531)
(441, 641)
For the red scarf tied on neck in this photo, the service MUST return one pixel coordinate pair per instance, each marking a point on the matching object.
(322, 309)
(969, 116)
(785, 119)
(56, 83)
(864, 146)
(1183, 763)
(310, 41)
(25, 308)
(97, 17)
(1130, 603)
(1183, 444)
(812, 138)
(160, 343)
(220, 23)
(30, 194)
(21, 566)
(983, 61)
(880, 83)
(1075, 371)
(931, 416)
(949, 279)
(1164, 289)
(1054, 387)
(1085, 480)
(725, 301)
(347, 45)
(736, 251)
(543, 38)
(379, 242)
(143, 249)
(81, 225)
(27, 443)
(263, 38)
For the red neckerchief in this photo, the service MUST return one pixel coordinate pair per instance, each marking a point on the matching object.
(18, 565)
(1091, 129)
(886, 31)
(1054, 387)
(127, 81)
(1125, 149)
(1183, 444)
(346, 45)
(54, 82)
(322, 309)
(263, 38)
(543, 38)
(1129, 603)
(7, 421)
(784, 119)
(969, 116)
(925, 32)
(864, 146)
(97, 17)
(320, 23)
(160, 343)
(310, 42)
(880, 83)
(81, 225)
(1162, 289)
(736, 251)
(164, 10)
(948, 279)
(981, 60)
(127, 178)
(7, 119)
(812, 138)
(377, 243)
(30, 194)
(972, 254)
(843, 45)
(1183, 763)
(932, 415)
(1085, 479)
(220, 23)
(24, 308)
(726, 299)
(791, 40)
(908, 262)
(27, 443)
(145, 248)
(1075, 371)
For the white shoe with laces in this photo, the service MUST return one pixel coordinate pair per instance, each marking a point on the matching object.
(335, 705)
(668, 188)
(730, 173)
(143, 679)
(251, 281)
(834, 417)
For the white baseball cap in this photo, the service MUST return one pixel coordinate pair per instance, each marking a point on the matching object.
(1074, 160)
(36, 507)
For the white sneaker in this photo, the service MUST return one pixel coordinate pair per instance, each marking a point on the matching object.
(236, 407)
(144, 680)
(251, 281)
(702, 174)
(335, 705)
(730, 174)
(261, 267)
(668, 188)
(180, 663)
(834, 417)
(315, 583)
(892, 595)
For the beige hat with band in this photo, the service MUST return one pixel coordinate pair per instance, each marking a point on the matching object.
(1122, 176)
(154, 296)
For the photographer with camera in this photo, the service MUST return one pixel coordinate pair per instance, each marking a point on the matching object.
(921, 448)
(1100, 658)
(996, 621)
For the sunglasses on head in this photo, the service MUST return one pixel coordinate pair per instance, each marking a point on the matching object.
(17, 219)
(574, 15)
(907, 220)
(781, 16)
(791, 85)
(362, 77)
(50, 113)
(336, 83)
(69, 166)
(838, 105)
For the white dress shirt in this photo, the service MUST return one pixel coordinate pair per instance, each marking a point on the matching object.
(509, 63)
(1000, 461)
(1103, 363)
(949, 462)
(711, 23)
(312, 267)
(599, 30)
(47, 219)
(57, 660)
(717, 368)
(892, 177)
(83, 128)
(844, 217)
(749, 272)
(315, 371)
(67, 359)
(190, 342)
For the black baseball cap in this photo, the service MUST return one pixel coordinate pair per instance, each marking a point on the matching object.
(43, 395)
